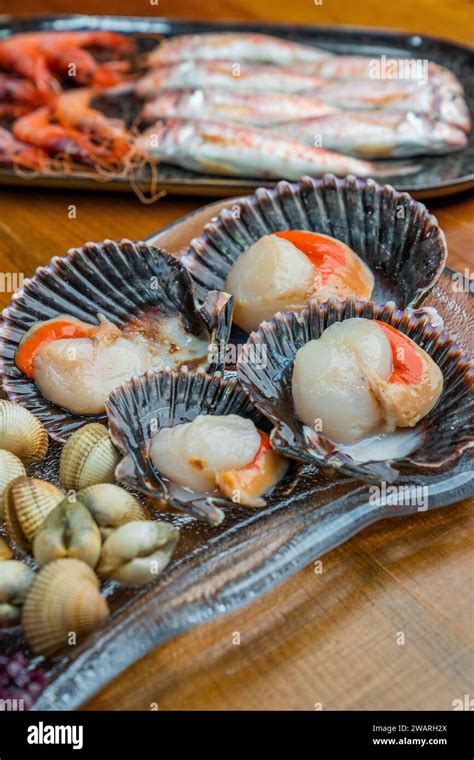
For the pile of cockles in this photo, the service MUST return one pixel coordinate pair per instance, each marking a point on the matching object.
(60, 542)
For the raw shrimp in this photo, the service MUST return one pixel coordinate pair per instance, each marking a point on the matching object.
(242, 107)
(14, 152)
(39, 55)
(235, 46)
(376, 134)
(71, 127)
(220, 148)
(73, 110)
(226, 75)
(64, 50)
(19, 90)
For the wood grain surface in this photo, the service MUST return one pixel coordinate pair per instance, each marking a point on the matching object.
(329, 640)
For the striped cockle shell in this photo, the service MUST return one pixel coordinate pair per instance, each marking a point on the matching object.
(15, 580)
(62, 605)
(138, 551)
(11, 468)
(27, 503)
(68, 531)
(88, 458)
(111, 506)
(22, 433)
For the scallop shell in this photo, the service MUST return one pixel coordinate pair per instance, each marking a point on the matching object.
(111, 506)
(27, 503)
(138, 551)
(118, 280)
(10, 468)
(68, 531)
(395, 235)
(64, 599)
(88, 458)
(22, 433)
(137, 411)
(436, 441)
(15, 580)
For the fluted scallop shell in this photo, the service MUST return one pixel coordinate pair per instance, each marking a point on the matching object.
(63, 599)
(68, 531)
(138, 551)
(15, 580)
(395, 235)
(117, 279)
(27, 503)
(111, 506)
(438, 440)
(22, 433)
(88, 457)
(10, 468)
(137, 411)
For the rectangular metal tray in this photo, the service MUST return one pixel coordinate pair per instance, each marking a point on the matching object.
(435, 176)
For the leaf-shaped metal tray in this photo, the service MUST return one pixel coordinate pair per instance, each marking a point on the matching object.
(217, 569)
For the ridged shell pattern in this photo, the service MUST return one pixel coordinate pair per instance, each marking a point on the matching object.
(140, 408)
(115, 279)
(394, 234)
(445, 433)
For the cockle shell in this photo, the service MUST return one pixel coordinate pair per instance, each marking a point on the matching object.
(22, 433)
(88, 458)
(64, 599)
(10, 468)
(68, 531)
(138, 551)
(111, 506)
(15, 579)
(27, 503)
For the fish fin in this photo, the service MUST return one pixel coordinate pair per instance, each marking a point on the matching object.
(394, 168)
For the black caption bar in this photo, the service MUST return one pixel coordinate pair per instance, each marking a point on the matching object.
(369, 734)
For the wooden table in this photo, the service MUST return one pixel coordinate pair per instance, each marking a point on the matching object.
(325, 639)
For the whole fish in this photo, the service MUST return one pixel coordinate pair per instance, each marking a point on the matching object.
(376, 134)
(415, 70)
(234, 46)
(225, 105)
(396, 96)
(227, 75)
(219, 148)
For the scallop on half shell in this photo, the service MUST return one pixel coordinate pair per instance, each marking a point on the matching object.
(393, 237)
(413, 441)
(142, 297)
(158, 403)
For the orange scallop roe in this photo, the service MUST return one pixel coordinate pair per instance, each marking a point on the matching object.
(26, 353)
(407, 363)
(324, 254)
(258, 462)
